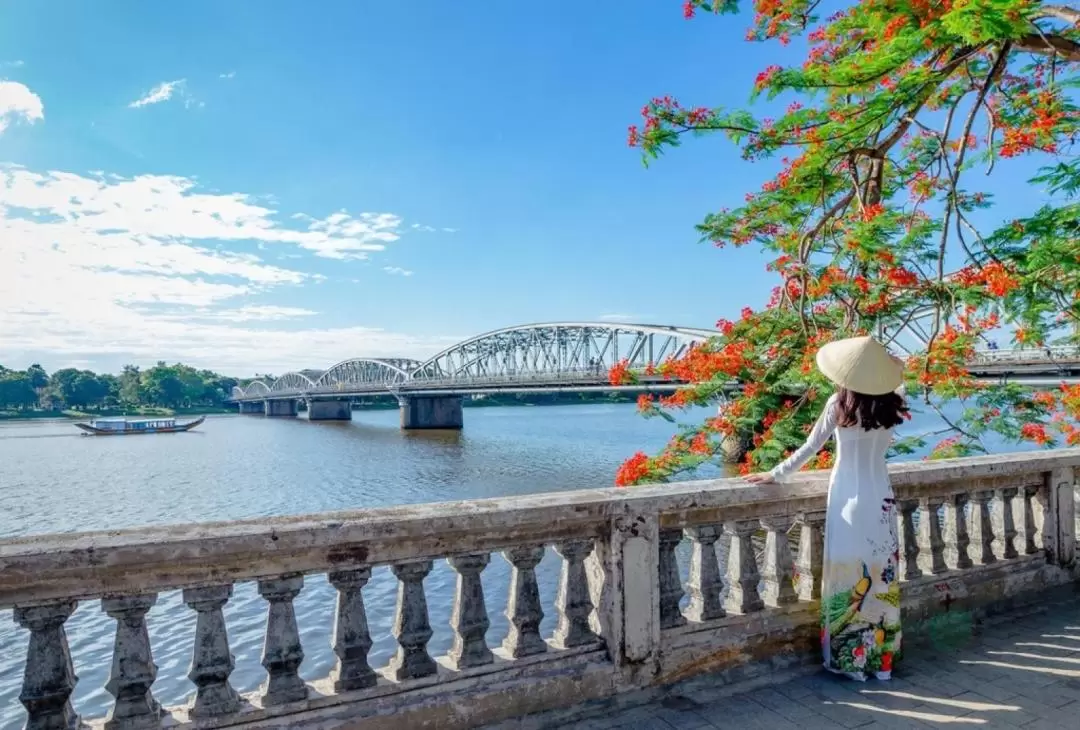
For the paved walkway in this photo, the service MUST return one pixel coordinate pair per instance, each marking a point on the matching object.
(1022, 673)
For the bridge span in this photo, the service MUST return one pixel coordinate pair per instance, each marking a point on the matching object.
(534, 358)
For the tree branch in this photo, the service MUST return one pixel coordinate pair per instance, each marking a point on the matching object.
(1060, 12)
(1048, 45)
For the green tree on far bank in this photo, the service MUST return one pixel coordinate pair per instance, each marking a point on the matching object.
(16, 390)
(162, 386)
(39, 379)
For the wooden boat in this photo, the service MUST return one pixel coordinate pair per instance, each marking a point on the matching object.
(124, 427)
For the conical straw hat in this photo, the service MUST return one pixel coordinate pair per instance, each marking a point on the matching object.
(861, 364)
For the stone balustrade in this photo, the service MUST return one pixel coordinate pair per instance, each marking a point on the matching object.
(975, 534)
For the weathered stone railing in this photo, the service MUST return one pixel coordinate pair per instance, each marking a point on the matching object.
(1008, 533)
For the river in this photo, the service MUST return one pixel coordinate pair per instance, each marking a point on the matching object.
(232, 467)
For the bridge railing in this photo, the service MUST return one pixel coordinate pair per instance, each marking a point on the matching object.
(579, 376)
(1040, 355)
(574, 376)
(630, 616)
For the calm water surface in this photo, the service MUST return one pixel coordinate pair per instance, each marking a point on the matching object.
(54, 480)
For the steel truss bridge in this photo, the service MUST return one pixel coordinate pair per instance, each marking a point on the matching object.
(574, 356)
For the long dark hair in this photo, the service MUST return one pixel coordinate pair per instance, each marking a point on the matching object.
(869, 411)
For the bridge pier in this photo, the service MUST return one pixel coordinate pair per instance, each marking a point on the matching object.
(279, 408)
(330, 410)
(250, 407)
(431, 412)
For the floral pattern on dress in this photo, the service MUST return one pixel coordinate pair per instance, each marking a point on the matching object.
(860, 624)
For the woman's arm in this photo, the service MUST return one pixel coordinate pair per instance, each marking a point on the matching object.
(823, 429)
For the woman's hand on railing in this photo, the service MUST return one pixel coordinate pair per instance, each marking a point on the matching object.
(762, 478)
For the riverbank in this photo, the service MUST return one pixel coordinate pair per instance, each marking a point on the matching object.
(140, 412)
(377, 403)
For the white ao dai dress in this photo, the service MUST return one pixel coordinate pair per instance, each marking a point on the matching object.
(860, 606)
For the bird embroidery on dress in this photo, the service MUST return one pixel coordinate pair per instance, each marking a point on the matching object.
(843, 615)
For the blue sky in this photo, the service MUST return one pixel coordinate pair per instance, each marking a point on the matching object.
(244, 185)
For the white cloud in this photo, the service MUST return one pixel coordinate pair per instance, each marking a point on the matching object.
(229, 75)
(12, 64)
(346, 237)
(18, 103)
(248, 313)
(168, 207)
(162, 92)
(397, 270)
(145, 268)
(422, 228)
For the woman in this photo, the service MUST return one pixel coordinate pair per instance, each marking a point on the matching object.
(860, 606)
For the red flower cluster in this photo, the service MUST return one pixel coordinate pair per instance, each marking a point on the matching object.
(633, 470)
(762, 79)
(994, 276)
(701, 364)
(901, 277)
(1035, 432)
(620, 373)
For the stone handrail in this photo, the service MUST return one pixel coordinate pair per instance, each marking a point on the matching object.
(1008, 529)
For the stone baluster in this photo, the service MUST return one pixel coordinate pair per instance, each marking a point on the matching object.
(742, 569)
(282, 653)
(705, 584)
(931, 555)
(1040, 511)
(909, 546)
(811, 555)
(574, 603)
(211, 660)
(412, 628)
(956, 533)
(1004, 525)
(1030, 541)
(671, 590)
(470, 618)
(779, 571)
(352, 638)
(133, 670)
(981, 549)
(49, 677)
(523, 608)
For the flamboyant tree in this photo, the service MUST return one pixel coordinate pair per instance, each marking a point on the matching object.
(894, 119)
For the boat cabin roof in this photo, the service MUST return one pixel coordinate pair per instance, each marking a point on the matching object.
(164, 419)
